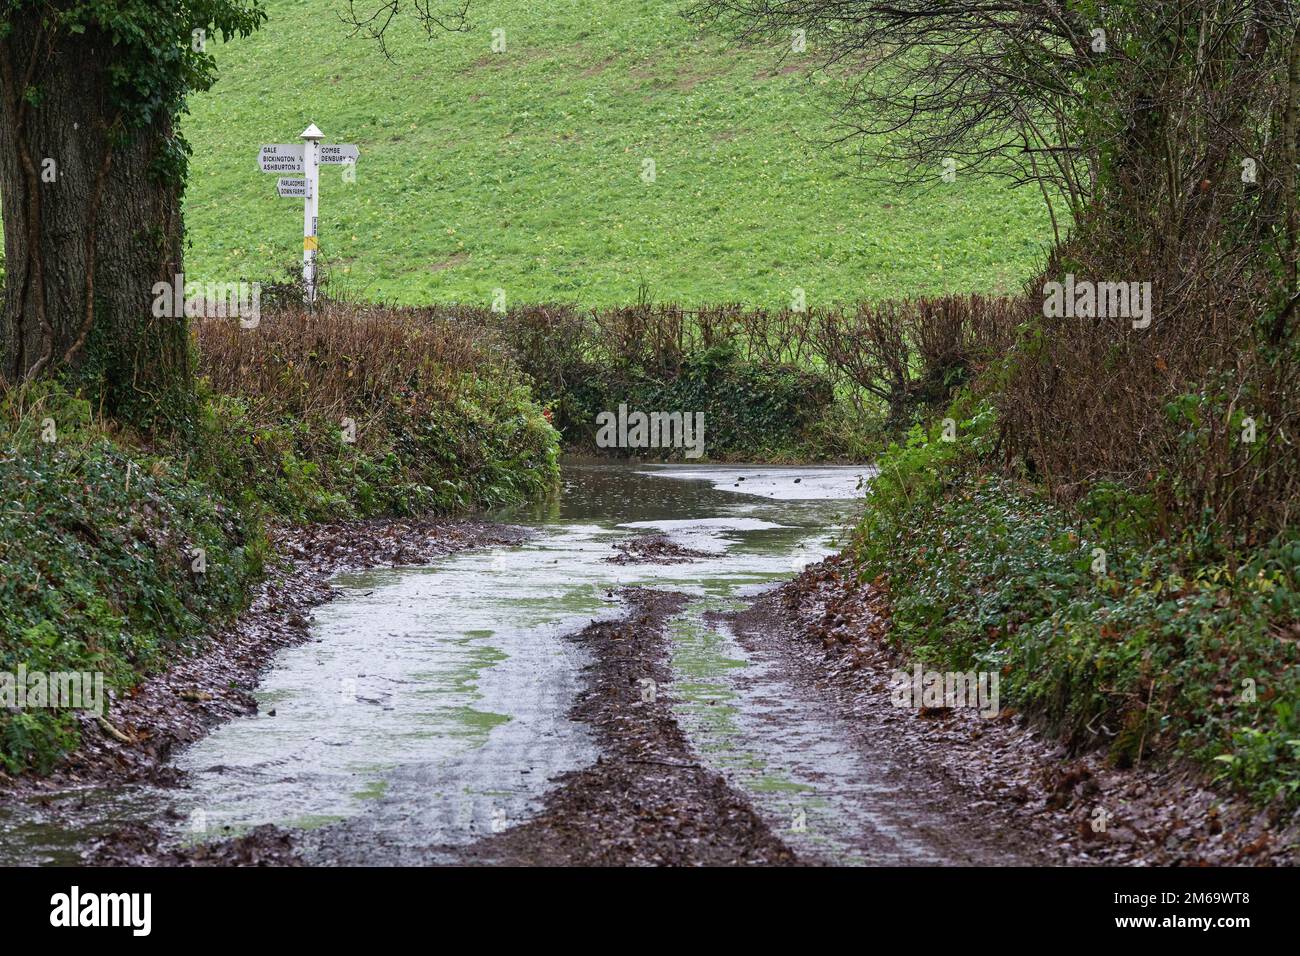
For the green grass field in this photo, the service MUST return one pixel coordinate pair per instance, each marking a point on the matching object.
(522, 170)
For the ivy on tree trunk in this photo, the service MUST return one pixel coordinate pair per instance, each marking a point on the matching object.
(92, 169)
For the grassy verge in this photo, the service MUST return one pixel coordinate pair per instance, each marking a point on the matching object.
(98, 538)
(1146, 648)
(120, 554)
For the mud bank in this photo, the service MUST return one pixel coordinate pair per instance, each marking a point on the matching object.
(647, 800)
(1008, 779)
(143, 728)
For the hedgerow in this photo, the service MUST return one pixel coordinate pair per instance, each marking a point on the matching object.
(1109, 637)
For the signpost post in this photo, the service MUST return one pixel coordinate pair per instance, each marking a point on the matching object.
(305, 160)
(310, 243)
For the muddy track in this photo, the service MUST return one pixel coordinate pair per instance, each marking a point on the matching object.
(922, 787)
(647, 800)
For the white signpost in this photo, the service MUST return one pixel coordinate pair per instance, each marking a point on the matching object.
(305, 159)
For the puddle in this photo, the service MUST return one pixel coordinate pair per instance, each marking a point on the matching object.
(776, 482)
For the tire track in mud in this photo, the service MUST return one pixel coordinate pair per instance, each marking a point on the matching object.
(647, 800)
(866, 798)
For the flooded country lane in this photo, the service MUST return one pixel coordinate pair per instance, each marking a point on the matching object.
(580, 696)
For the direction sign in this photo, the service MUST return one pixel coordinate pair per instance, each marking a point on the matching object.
(284, 158)
(300, 188)
(338, 154)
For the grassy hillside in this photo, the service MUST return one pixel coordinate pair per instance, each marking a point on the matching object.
(522, 170)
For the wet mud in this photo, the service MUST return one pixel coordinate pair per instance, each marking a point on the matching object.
(1015, 793)
(633, 680)
(647, 800)
(654, 549)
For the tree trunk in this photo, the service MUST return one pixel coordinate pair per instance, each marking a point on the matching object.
(91, 208)
(1290, 129)
(1291, 250)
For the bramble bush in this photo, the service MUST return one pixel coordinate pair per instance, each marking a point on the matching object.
(352, 411)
